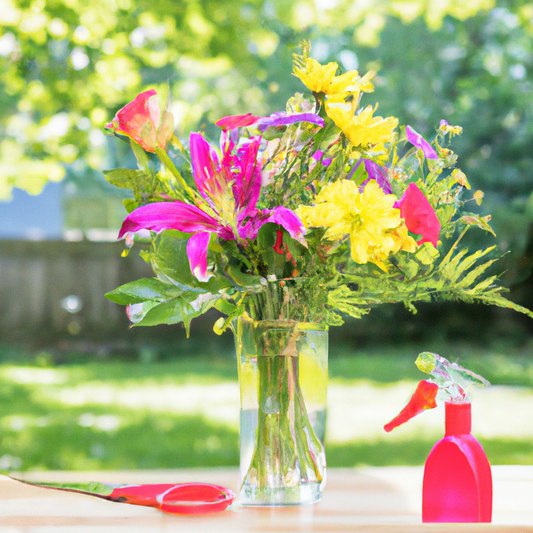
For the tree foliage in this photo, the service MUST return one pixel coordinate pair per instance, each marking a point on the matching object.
(66, 66)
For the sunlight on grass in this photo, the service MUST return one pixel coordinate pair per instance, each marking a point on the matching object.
(186, 412)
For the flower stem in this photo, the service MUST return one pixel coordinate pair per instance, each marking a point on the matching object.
(165, 159)
(287, 451)
(287, 455)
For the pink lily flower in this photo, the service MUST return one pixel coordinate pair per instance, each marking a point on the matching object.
(143, 121)
(230, 186)
(419, 215)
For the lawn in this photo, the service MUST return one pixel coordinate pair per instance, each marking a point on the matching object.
(185, 412)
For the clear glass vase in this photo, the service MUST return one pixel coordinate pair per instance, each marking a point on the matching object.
(283, 369)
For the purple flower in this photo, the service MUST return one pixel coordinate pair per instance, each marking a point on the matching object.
(317, 156)
(282, 119)
(377, 173)
(279, 215)
(417, 140)
(230, 186)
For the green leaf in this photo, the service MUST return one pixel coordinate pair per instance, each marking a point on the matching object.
(138, 311)
(171, 312)
(445, 213)
(171, 263)
(142, 290)
(471, 219)
(184, 308)
(449, 268)
(242, 279)
(225, 307)
(142, 158)
(130, 204)
(474, 274)
(427, 254)
(467, 262)
(410, 269)
(127, 178)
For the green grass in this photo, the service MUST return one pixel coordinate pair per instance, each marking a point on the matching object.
(414, 452)
(184, 413)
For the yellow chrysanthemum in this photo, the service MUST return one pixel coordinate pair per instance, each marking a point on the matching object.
(403, 240)
(364, 128)
(351, 82)
(368, 217)
(316, 77)
(321, 78)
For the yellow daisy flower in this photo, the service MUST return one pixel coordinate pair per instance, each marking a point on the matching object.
(351, 82)
(364, 128)
(368, 217)
(321, 78)
(316, 77)
(403, 240)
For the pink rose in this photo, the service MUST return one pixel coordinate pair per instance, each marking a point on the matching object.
(143, 121)
(419, 215)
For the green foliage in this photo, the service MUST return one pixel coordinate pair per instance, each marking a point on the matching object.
(175, 295)
(454, 278)
(66, 67)
(142, 290)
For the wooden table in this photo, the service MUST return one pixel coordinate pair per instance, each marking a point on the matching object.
(359, 499)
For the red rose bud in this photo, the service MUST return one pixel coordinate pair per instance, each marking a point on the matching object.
(143, 121)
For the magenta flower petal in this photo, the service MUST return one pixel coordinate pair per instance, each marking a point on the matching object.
(282, 119)
(279, 215)
(169, 215)
(375, 172)
(417, 140)
(239, 165)
(242, 165)
(203, 166)
(236, 121)
(197, 254)
(420, 217)
(290, 221)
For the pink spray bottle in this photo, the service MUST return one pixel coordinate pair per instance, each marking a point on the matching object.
(457, 483)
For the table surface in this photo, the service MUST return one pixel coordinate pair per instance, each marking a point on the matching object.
(359, 499)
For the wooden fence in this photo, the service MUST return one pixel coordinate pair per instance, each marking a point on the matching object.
(55, 288)
(53, 291)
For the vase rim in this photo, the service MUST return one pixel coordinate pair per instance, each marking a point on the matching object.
(287, 324)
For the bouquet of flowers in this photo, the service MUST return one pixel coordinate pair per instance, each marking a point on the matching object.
(297, 218)
(316, 211)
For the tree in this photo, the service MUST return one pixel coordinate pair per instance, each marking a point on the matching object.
(66, 67)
